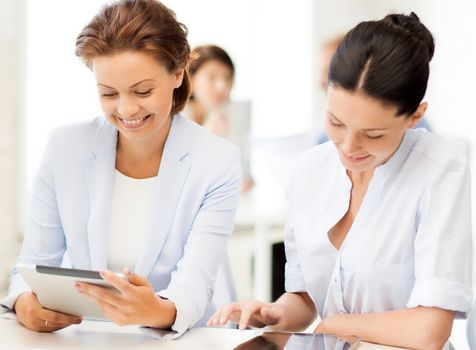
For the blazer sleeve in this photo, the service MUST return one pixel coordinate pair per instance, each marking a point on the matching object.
(44, 241)
(192, 283)
(443, 247)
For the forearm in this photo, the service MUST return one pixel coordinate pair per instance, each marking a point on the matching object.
(416, 328)
(298, 312)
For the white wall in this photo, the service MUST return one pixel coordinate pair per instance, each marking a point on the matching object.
(11, 35)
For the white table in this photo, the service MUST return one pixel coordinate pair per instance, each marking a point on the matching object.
(105, 335)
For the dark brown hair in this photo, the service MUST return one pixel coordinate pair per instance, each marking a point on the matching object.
(139, 25)
(203, 54)
(387, 60)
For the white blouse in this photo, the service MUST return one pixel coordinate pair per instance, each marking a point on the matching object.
(130, 213)
(410, 243)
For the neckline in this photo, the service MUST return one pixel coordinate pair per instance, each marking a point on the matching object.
(147, 179)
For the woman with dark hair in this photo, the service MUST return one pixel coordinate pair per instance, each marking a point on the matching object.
(212, 73)
(378, 234)
(141, 187)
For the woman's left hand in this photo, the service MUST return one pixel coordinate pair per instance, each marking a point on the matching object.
(134, 303)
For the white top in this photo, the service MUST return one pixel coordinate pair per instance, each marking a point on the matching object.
(410, 243)
(132, 200)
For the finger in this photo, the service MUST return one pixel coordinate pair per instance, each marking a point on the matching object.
(249, 310)
(49, 326)
(229, 312)
(136, 279)
(57, 317)
(99, 293)
(213, 320)
(118, 282)
(220, 315)
(106, 307)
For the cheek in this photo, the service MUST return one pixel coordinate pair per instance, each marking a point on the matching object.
(334, 134)
(160, 103)
(107, 106)
(201, 86)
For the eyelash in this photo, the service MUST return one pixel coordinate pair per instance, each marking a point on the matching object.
(334, 124)
(368, 136)
(138, 93)
(374, 137)
(108, 95)
(143, 93)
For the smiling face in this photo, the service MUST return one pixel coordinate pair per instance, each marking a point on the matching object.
(136, 93)
(365, 132)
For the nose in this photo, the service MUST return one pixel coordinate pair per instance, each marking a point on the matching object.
(350, 144)
(127, 107)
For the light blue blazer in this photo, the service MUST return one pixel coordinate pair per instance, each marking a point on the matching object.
(196, 198)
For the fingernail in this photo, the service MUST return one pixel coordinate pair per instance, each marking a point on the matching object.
(127, 271)
(222, 320)
(102, 273)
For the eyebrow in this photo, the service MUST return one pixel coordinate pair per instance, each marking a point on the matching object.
(132, 86)
(339, 121)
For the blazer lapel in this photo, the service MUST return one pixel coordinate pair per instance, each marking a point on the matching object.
(172, 174)
(100, 177)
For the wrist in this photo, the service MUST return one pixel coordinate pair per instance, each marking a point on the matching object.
(164, 313)
(18, 301)
(325, 326)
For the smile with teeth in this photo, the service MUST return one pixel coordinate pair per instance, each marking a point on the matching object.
(134, 123)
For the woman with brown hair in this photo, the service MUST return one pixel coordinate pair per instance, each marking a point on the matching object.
(212, 73)
(141, 187)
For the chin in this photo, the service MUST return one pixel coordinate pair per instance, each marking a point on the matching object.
(357, 167)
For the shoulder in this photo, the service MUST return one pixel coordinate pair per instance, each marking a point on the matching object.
(436, 150)
(81, 133)
(78, 142)
(318, 157)
(202, 143)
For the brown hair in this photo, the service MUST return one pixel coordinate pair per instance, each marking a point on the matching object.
(139, 25)
(203, 54)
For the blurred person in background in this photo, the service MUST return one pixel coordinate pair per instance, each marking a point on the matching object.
(140, 187)
(212, 73)
(378, 232)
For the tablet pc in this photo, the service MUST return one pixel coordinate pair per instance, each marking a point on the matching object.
(54, 288)
(271, 340)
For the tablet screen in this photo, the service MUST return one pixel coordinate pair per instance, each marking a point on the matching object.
(297, 341)
(61, 271)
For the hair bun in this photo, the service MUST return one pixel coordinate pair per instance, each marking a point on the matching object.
(412, 25)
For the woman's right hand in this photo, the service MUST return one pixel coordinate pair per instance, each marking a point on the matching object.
(252, 313)
(35, 317)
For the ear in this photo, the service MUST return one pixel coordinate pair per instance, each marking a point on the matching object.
(416, 117)
(178, 75)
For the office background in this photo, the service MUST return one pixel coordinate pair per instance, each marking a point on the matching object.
(275, 46)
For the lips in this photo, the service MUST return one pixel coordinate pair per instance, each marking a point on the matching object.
(355, 159)
(134, 123)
